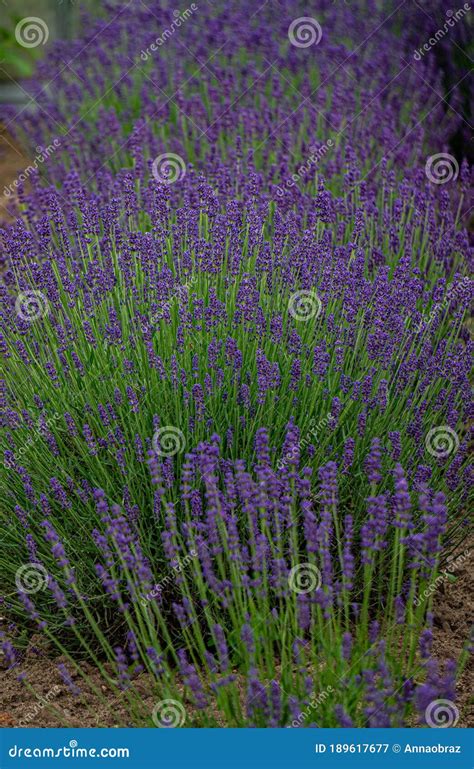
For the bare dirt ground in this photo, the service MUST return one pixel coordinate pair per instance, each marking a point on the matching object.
(19, 706)
(13, 160)
(453, 614)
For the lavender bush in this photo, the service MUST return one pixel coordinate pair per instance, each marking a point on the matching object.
(237, 371)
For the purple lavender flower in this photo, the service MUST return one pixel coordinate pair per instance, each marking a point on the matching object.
(68, 680)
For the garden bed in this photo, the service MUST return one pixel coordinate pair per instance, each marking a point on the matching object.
(236, 404)
(453, 609)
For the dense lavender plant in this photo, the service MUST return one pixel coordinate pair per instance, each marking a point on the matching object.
(233, 402)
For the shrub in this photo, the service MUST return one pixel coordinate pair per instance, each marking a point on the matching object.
(234, 401)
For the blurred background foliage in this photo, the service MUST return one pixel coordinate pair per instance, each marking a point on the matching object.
(415, 19)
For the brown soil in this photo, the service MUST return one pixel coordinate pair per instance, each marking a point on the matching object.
(51, 704)
(12, 161)
(453, 613)
(20, 706)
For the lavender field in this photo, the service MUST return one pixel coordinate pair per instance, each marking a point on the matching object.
(236, 352)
